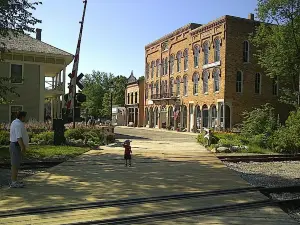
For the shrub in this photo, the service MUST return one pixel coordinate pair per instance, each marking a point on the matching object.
(44, 138)
(4, 137)
(259, 121)
(287, 138)
(75, 134)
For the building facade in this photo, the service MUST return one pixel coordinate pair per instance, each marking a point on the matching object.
(38, 72)
(205, 76)
(134, 101)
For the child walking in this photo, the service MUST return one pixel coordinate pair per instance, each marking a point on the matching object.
(127, 152)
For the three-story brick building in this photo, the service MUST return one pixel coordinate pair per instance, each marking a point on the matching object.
(205, 76)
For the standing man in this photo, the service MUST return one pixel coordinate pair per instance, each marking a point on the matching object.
(19, 141)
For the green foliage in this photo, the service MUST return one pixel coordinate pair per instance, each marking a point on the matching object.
(278, 44)
(44, 138)
(4, 137)
(287, 138)
(259, 121)
(96, 89)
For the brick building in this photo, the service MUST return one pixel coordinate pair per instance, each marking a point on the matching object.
(205, 76)
(134, 101)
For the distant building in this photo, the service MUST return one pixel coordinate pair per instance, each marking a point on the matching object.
(134, 102)
(118, 116)
(206, 76)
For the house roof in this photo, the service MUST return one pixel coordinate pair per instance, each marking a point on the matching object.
(26, 43)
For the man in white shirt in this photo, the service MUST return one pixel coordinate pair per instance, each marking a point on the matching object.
(19, 141)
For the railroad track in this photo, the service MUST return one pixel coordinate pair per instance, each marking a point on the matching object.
(157, 199)
(260, 158)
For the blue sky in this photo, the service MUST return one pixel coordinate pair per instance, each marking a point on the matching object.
(116, 31)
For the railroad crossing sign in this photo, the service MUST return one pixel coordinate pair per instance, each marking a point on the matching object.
(78, 83)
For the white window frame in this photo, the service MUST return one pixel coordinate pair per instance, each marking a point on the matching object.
(186, 60)
(207, 85)
(196, 56)
(259, 91)
(217, 54)
(205, 53)
(178, 87)
(172, 59)
(217, 73)
(178, 65)
(185, 85)
(9, 111)
(18, 64)
(242, 81)
(195, 84)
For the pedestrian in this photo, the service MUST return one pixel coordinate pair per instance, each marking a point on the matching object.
(127, 152)
(19, 141)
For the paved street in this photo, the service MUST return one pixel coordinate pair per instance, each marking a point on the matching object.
(164, 163)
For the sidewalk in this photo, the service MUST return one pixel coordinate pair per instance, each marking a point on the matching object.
(160, 167)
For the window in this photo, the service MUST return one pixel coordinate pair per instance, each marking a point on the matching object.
(275, 85)
(163, 67)
(157, 67)
(213, 115)
(171, 87)
(185, 86)
(239, 82)
(157, 88)
(205, 76)
(147, 71)
(136, 98)
(217, 50)
(196, 56)
(178, 61)
(13, 111)
(131, 98)
(152, 69)
(246, 51)
(166, 66)
(128, 98)
(257, 83)
(216, 76)
(172, 64)
(206, 52)
(162, 87)
(146, 91)
(186, 59)
(152, 91)
(195, 83)
(178, 86)
(16, 74)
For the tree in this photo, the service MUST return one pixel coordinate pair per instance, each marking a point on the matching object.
(277, 42)
(16, 19)
(97, 89)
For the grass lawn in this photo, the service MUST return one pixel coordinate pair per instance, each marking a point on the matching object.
(37, 152)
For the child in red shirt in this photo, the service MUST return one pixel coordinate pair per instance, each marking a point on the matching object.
(127, 152)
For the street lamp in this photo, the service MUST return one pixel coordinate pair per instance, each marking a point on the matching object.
(111, 89)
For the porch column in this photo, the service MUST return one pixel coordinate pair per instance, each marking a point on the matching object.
(181, 116)
(42, 94)
(188, 122)
(168, 117)
(64, 86)
(134, 117)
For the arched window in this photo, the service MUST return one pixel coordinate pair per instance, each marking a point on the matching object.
(178, 86)
(257, 87)
(128, 98)
(246, 50)
(166, 65)
(135, 97)
(157, 67)
(216, 76)
(185, 86)
(186, 59)
(217, 49)
(213, 115)
(152, 68)
(157, 88)
(152, 91)
(166, 86)
(195, 83)
(163, 67)
(239, 82)
(147, 70)
(171, 64)
(178, 57)
(206, 53)
(131, 100)
(196, 56)
(172, 87)
(205, 76)
(162, 87)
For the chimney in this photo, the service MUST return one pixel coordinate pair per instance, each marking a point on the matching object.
(39, 34)
(251, 16)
